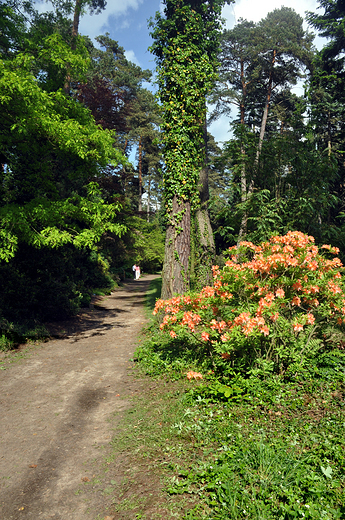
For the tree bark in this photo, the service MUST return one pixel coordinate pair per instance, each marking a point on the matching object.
(244, 221)
(140, 162)
(175, 277)
(265, 114)
(76, 19)
(75, 29)
(204, 244)
(148, 199)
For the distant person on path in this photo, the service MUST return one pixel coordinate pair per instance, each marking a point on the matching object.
(137, 272)
(134, 268)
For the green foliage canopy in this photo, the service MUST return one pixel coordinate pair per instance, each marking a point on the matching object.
(51, 150)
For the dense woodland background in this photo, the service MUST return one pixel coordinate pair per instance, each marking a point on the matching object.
(75, 214)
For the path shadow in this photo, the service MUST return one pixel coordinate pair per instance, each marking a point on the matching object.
(99, 318)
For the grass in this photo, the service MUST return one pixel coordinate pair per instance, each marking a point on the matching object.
(277, 452)
(5, 343)
(250, 449)
(149, 451)
(12, 335)
(152, 295)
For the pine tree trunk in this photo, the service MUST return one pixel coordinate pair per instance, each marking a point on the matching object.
(75, 29)
(244, 221)
(204, 241)
(148, 199)
(76, 19)
(265, 114)
(140, 207)
(329, 131)
(177, 252)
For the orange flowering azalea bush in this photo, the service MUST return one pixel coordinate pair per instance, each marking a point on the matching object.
(270, 308)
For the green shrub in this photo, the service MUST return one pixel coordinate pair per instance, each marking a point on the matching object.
(271, 309)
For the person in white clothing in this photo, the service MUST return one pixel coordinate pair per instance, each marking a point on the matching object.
(134, 268)
(137, 272)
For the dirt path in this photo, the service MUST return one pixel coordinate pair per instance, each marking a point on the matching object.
(55, 406)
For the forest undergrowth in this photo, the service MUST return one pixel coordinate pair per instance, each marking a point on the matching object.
(254, 443)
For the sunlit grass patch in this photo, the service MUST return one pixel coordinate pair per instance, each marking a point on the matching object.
(152, 295)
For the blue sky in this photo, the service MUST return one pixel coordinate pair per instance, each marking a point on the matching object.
(126, 21)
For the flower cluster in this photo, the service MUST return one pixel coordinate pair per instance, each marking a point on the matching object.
(194, 375)
(267, 298)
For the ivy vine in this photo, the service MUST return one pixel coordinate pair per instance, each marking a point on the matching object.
(186, 45)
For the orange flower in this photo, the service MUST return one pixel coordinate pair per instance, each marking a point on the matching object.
(173, 334)
(288, 249)
(310, 319)
(275, 316)
(296, 300)
(215, 270)
(297, 285)
(280, 293)
(335, 289)
(265, 330)
(242, 318)
(194, 375)
(208, 291)
(205, 336)
(297, 327)
(159, 305)
(313, 265)
(247, 244)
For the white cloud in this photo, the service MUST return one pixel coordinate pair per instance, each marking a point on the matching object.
(96, 24)
(255, 11)
(130, 55)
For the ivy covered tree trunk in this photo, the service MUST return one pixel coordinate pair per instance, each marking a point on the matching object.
(177, 251)
(186, 46)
